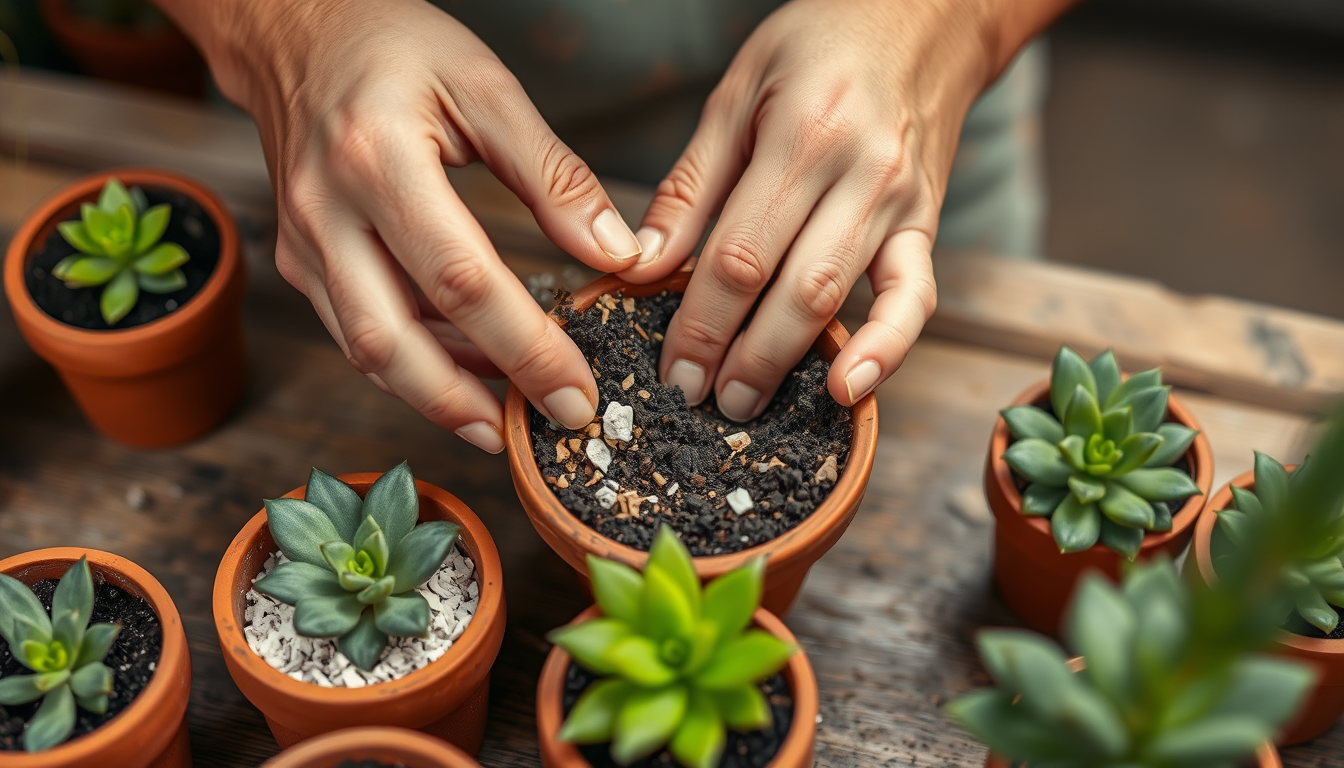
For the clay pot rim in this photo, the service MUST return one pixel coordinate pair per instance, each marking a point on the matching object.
(791, 543)
(454, 661)
(172, 672)
(798, 673)
(87, 188)
(328, 749)
(1199, 453)
(1203, 555)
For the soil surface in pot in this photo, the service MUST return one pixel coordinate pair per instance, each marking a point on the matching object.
(189, 226)
(685, 466)
(132, 659)
(753, 749)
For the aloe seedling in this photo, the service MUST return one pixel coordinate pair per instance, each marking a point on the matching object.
(118, 244)
(355, 564)
(1099, 467)
(680, 664)
(63, 650)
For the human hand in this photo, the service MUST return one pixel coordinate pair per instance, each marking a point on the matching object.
(360, 103)
(827, 146)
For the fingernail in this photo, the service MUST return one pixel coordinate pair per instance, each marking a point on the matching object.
(861, 379)
(483, 435)
(570, 407)
(614, 237)
(690, 377)
(738, 401)
(650, 244)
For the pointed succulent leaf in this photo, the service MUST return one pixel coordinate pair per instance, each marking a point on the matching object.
(377, 592)
(173, 281)
(300, 529)
(1160, 639)
(1117, 423)
(1100, 627)
(1209, 741)
(67, 628)
(421, 553)
(743, 707)
(18, 601)
(1042, 499)
(1266, 688)
(96, 704)
(20, 689)
(1135, 450)
(1075, 526)
(98, 639)
(1271, 482)
(293, 581)
(74, 592)
(1073, 449)
(364, 530)
(120, 237)
(747, 658)
(97, 224)
(698, 742)
(701, 644)
(1159, 483)
(364, 644)
(1083, 417)
(29, 639)
(1150, 408)
(1123, 540)
(340, 558)
(162, 259)
(338, 502)
(1029, 421)
(403, 615)
(593, 717)
(993, 717)
(91, 680)
(1161, 517)
(119, 297)
(114, 197)
(394, 503)
(53, 721)
(1087, 489)
(327, 616)
(1106, 372)
(76, 235)
(86, 271)
(1247, 502)
(669, 555)
(1140, 381)
(1094, 718)
(647, 721)
(1126, 508)
(1030, 666)
(1068, 373)
(590, 642)
(636, 659)
(151, 226)
(1315, 610)
(374, 548)
(1176, 440)
(731, 599)
(350, 581)
(1038, 461)
(667, 611)
(618, 589)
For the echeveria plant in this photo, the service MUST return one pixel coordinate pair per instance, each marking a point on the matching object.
(1153, 694)
(680, 664)
(1099, 466)
(118, 244)
(1314, 581)
(63, 650)
(355, 564)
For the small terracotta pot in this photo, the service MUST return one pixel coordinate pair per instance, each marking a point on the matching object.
(448, 698)
(795, 752)
(1266, 757)
(161, 58)
(385, 745)
(1325, 703)
(1035, 578)
(788, 557)
(152, 731)
(156, 384)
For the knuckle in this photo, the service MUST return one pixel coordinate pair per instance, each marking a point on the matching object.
(685, 183)
(698, 335)
(448, 404)
(926, 293)
(740, 264)
(462, 283)
(541, 360)
(887, 162)
(568, 179)
(824, 120)
(822, 290)
(370, 344)
(358, 147)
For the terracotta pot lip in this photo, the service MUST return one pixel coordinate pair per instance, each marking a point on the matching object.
(1203, 555)
(831, 511)
(798, 672)
(1199, 454)
(454, 661)
(167, 687)
(17, 255)
(328, 749)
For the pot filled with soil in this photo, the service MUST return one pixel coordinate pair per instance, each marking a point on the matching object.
(94, 669)
(130, 284)
(784, 485)
(1313, 631)
(1087, 471)
(368, 600)
(372, 748)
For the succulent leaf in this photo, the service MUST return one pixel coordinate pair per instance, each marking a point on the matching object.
(1134, 451)
(96, 704)
(1262, 686)
(67, 632)
(91, 680)
(730, 599)
(1117, 423)
(86, 271)
(743, 707)
(17, 601)
(318, 616)
(338, 502)
(74, 592)
(300, 529)
(98, 639)
(647, 721)
(151, 226)
(1140, 381)
(1042, 499)
(1209, 741)
(292, 581)
(1127, 508)
(402, 615)
(618, 589)
(364, 644)
(591, 642)
(376, 592)
(669, 555)
(1100, 626)
(1106, 373)
(420, 553)
(1083, 416)
(119, 297)
(77, 235)
(1038, 461)
(751, 656)
(1271, 482)
(667, 610)
(1087, 489)
(173, 281)
(637, 659)
(1029, 421)
(592, 720)
(699, 740)
(1075, 526)
(114, 196)
(394, 503)
(1150, 407)
(20, 689)
(1159, 484)
(1068, 372)
(1176, 440)
(53, 721)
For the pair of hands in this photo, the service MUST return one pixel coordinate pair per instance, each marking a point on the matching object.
(825, 151)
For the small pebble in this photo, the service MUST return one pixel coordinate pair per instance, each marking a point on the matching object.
(738, 440)
(828, 470)
(618, 422)
(740, 500)
(599, 454)
(606, 497)
(673, 488)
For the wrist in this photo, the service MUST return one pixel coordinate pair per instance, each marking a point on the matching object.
(1007, 25)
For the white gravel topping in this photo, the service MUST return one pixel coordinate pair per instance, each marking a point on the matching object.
(618, 422)
(268, 624)
(740, 500)
(671, 489)
(606, 497)
(598, 453)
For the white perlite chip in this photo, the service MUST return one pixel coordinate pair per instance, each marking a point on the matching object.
(598, 453)
(618, 422)
(740, 500)
(605, 496)
(452, 595)
(671, 489)
(738, 440)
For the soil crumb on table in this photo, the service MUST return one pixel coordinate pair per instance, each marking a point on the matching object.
(132, 659)
(722, 486)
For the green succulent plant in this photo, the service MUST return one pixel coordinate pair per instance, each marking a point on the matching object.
(1312, 582)
(1099, 467)
(1153, 693)
(680, 665)
(63, 650)
(355, 564)
(118, 244)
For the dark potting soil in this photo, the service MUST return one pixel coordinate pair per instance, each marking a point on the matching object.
(368, 764)
(132, 659)
(189, 226)
(752, 749)
(801, 441)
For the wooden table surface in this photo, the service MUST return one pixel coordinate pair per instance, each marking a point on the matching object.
(887, 617)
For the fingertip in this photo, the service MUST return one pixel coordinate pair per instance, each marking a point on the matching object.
(483, 435)
(615, 237)
(855, 381)
(570, 406)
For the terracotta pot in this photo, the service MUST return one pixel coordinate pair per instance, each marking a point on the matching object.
(161, 58)
(1035, 578)
(795, 752)
(152, 731)
(788, 557)
(1266, 757)
(1325, 703)
(448, 698)
(386, 745)
(156, 384)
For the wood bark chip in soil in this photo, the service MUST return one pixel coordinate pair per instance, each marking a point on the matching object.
(189, 226)
(132, 659)
(798, 445)
(750, 749)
